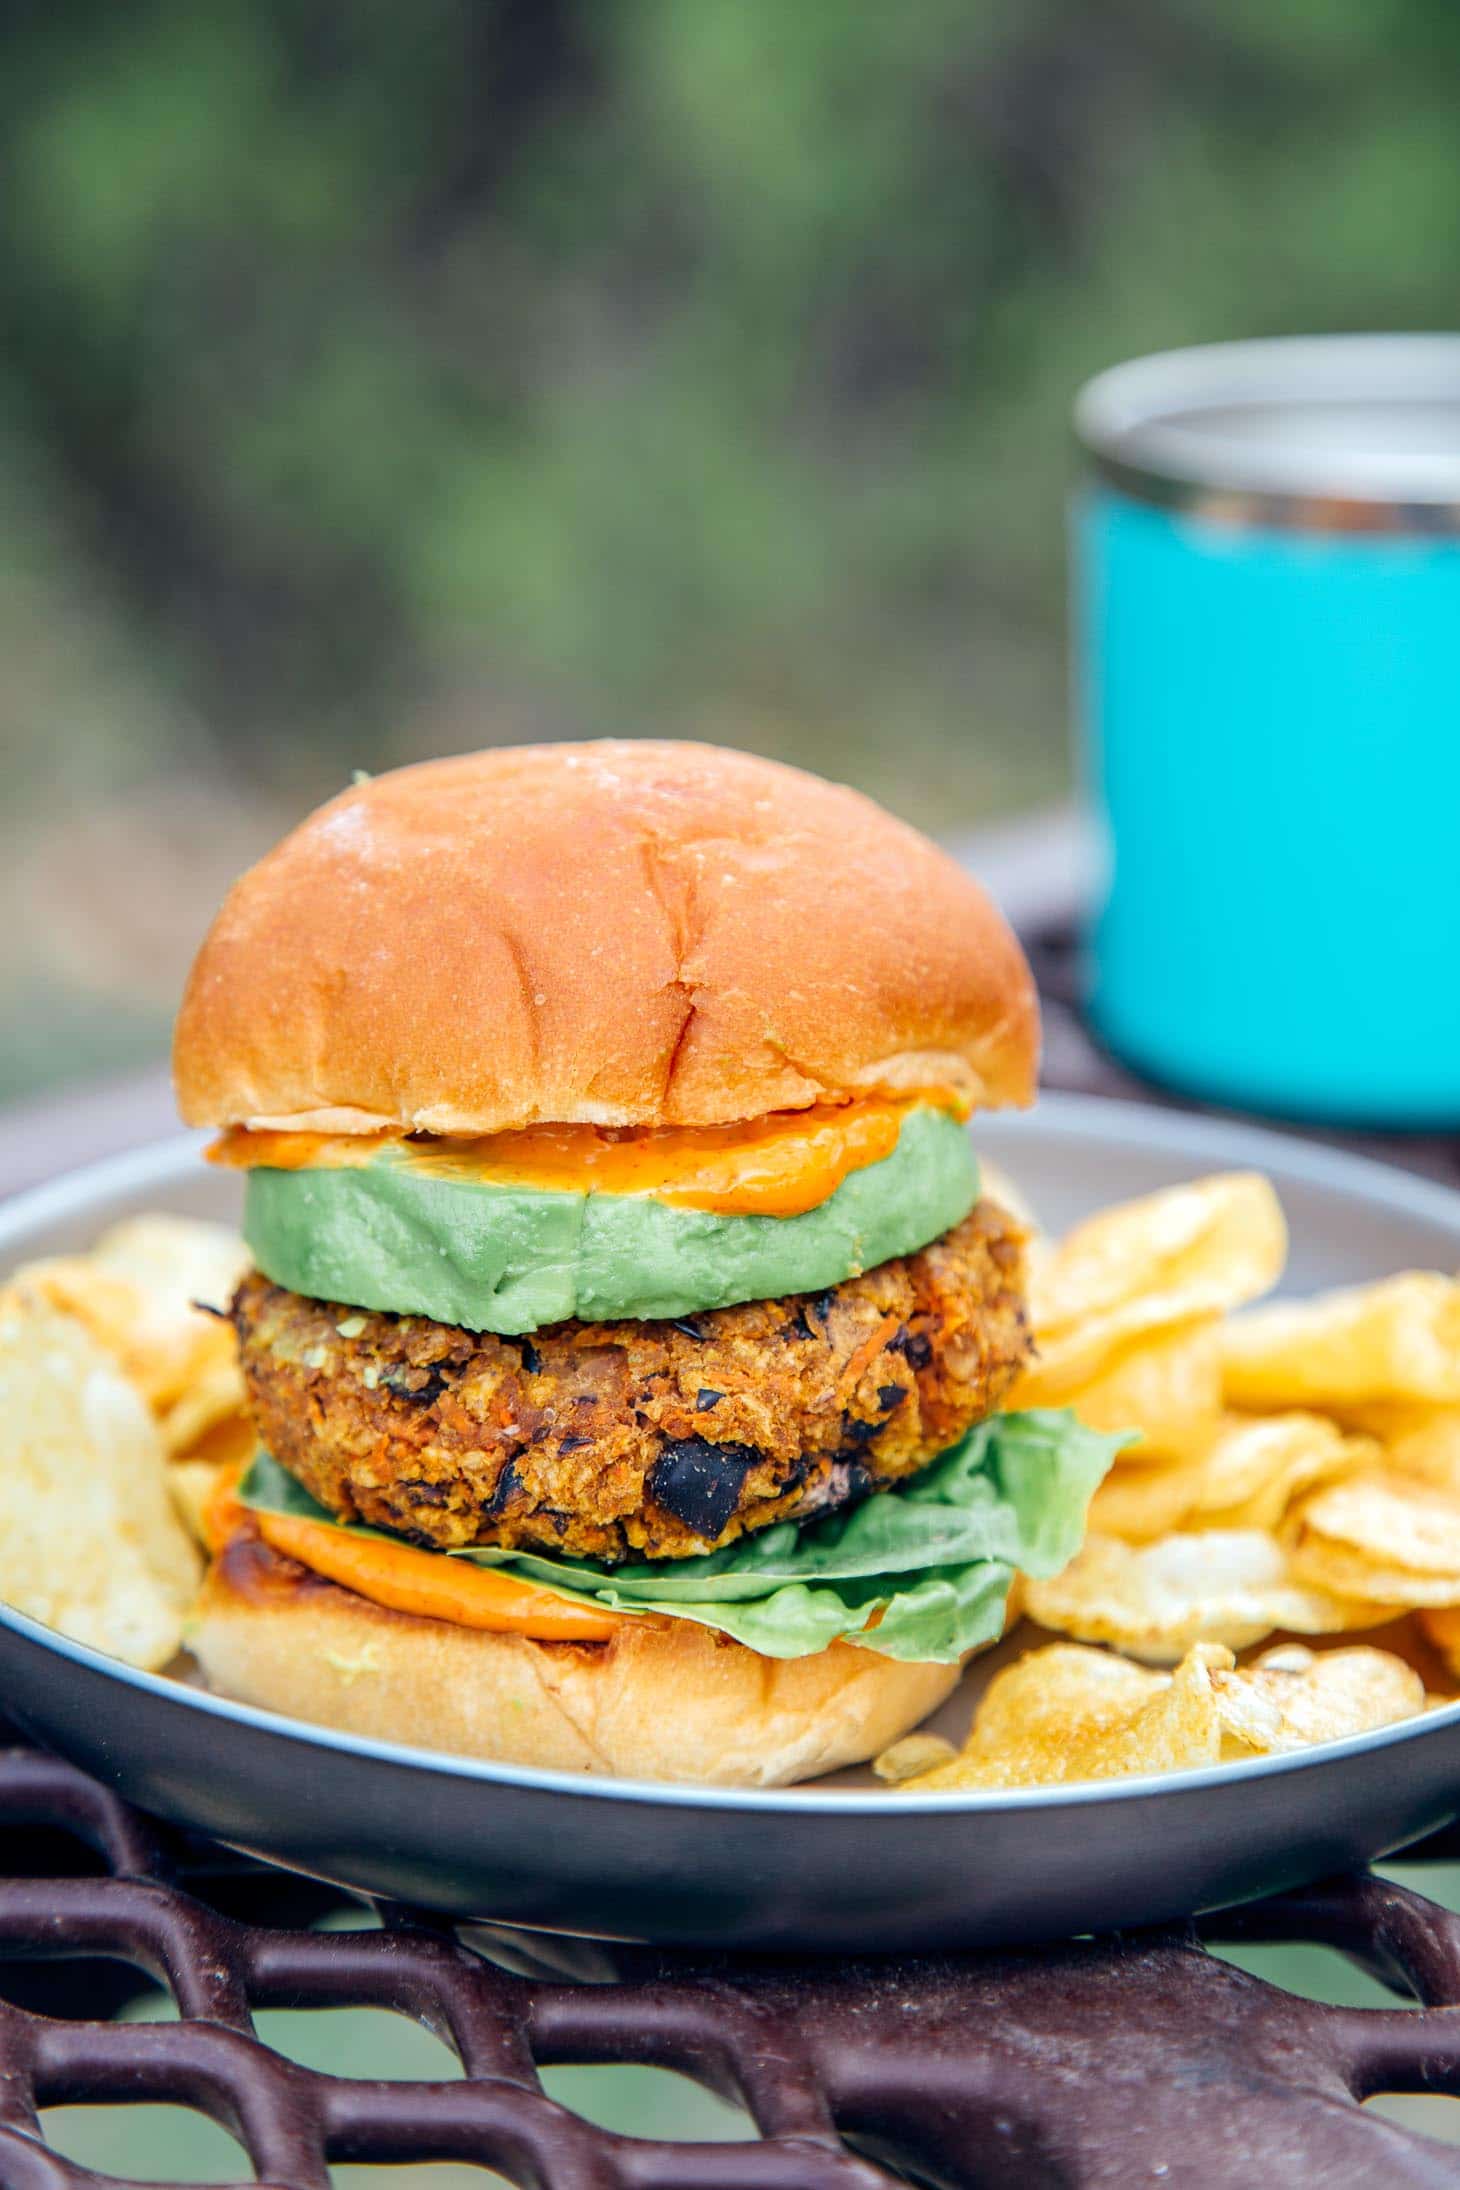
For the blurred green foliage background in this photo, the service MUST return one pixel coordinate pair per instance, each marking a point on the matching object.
(378, 381)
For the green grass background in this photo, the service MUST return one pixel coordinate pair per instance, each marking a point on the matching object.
(379, 381)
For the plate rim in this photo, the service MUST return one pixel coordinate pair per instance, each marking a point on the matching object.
(1073, 1118)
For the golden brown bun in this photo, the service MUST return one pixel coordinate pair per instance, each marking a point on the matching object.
(625, 933)
(662, 1702)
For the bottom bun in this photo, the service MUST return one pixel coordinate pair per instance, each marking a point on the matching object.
(668, 1702)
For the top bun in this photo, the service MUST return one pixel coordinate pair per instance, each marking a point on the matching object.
(624, 933)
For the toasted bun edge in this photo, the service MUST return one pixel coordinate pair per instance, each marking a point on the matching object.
(670, 1701)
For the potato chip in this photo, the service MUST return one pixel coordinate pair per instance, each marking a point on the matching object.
(232, 1438)
(1206, 1246)
(1067, 1713)
(1384, 1536)
(1425, 1442)
(135, 1292)
(1442, 1628)
(1063, 1713)
(1143, 1267)
(1138, 1502)
(192, 1484)
(1254, 1468)
(1293, 1697)
(1389, 1420)
(89, 1541)
(1167, 1385)
(1259, 1465)
(211, 1404)
(1073, 1687)
(914, 1754)
(175, 1260)
(1395, 1340)
(1157, 1600)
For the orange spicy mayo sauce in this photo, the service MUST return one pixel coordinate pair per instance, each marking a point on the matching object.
(777, 1166)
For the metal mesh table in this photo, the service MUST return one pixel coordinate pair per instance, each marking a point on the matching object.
(1136, 2059)
(1143, 2058)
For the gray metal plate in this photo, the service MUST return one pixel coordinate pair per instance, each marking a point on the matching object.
(837, 1866)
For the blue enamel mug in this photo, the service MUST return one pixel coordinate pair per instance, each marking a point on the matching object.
(1267, 552)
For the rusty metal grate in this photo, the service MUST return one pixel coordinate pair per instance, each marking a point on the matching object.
(1136, 2059)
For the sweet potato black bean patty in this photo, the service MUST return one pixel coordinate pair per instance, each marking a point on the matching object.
(622, 1440)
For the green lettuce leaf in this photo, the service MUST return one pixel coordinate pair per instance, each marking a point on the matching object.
(935, 1556)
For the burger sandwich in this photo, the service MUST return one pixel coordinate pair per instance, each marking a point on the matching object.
(628, 1331)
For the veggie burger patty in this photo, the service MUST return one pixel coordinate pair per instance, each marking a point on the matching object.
(638, 1439)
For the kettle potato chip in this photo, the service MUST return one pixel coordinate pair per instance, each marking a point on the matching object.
(1293, 1697)
(1156, 1601)
(1441, 1627)
(1067, 1713)
(1143, 1267)
(1253, 1470)
(1167, 1385)
(1390, 1419)
(1138, 1502)
(1064, 1713)
(1390, 1537)
(911, 1757)
(191, 1484)
(1425, 1442)
(1208, 1245)
(1395, 1340)
(212, 1410)
(89, 1541)
(1191, 1250)
(1258, 1465)
(135, 1292)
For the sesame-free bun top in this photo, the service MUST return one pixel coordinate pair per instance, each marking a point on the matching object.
(625, 933)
